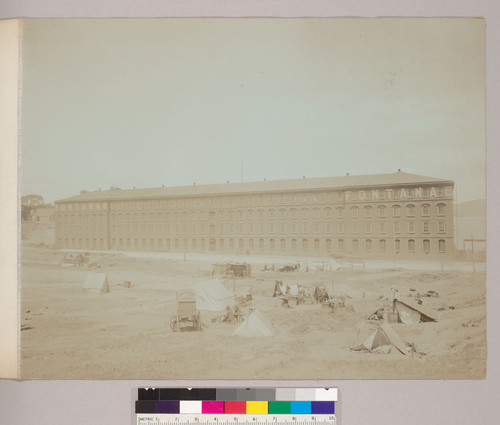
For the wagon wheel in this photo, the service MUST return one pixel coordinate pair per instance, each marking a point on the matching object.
(173, 323)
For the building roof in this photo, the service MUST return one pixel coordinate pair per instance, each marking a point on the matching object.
(343, 182)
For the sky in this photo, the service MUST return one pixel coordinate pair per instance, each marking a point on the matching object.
(147, 102)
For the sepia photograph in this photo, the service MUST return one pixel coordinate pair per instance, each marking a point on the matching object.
(252, 198)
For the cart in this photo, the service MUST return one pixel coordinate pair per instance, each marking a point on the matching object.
(187, 318)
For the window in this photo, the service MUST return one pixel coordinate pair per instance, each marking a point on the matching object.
(355, 245)
(340, 212)
(341, 243)
(328, 244)
(425, 227)
(261, 214)
(340, 227)
(304, 228)
(368, 227)
(328, 212)
(381, 211)
(368, 211)
(354, 212)
(294, 243)
(316, 227)
(441, 209)
(396, 211)
(411, 227)
(427, 246)
(381, 227)
(250, 214)
(316, 212)
(426, 209)
(203, 244)
(442, 245)
(397, 227)
(411, 245)
(382, 244)
(193, 243)
(261, 227)
(410, 210)
(304, 244)
(160, 243)
(293, 227)
(397, 245)
(250, 228)
(441, 226)
(368, 244)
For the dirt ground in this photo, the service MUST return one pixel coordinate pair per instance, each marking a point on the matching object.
(126, 334)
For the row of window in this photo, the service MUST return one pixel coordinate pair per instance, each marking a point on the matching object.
(259, 199)
(241, 244)
(354, 212)
(241, 228)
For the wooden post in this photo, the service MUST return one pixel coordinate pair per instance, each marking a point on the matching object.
(472, 249)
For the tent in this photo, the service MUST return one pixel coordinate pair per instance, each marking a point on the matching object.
(255, 325)
(408, 313)
(383, 336)
(212, 295)
(96, 282)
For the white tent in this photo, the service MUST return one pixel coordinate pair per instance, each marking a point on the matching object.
(96, 282)
(255, 325)
(212, 295)
(383, 336)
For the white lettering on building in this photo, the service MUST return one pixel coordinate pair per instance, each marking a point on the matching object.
(403, 194)
(375, 194)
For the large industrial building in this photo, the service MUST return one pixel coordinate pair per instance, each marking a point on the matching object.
(384, 215)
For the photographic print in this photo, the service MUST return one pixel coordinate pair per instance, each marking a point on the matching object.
(239, 198)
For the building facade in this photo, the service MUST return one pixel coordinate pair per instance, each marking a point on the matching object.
(386, 215)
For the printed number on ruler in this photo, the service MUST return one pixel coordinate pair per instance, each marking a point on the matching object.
(226, 419)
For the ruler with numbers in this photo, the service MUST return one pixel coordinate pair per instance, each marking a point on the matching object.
(226, 419)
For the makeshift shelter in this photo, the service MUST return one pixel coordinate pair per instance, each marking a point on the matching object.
(384, 337)
(255, 325)
(96, 282)
(279, 288)
(212, 295)
(409, 314)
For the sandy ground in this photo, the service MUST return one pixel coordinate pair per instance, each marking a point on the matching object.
(125, 334)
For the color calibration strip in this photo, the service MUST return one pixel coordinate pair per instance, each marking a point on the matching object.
(246, 401)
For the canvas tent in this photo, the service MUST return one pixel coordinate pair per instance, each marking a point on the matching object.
(212, 295)
(96, 282)
(255, 325)
(409, 314)
(384, 336)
